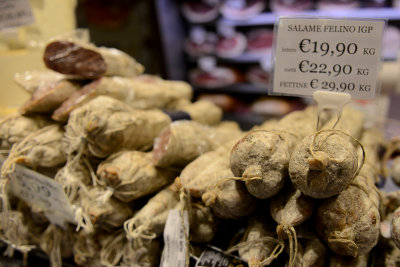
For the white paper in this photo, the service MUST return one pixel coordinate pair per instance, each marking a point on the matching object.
(175, 249)
(15, 13)
(336, 55)
(43, 192)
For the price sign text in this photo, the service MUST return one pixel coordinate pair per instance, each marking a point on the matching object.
(337, 55)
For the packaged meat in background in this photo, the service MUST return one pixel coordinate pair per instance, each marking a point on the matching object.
(391, 42)
(208, 75)
(290, 5)
(231, 43)
(200, 42)
(33, 80)
(242, 9)
(219, 77)
(272, 106)
(337, 4)
(258, 77)
(227, 102)
(375, 3)
(259, 41)
(200, 11)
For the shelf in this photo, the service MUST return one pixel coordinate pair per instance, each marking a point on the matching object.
(239, 88)
(243, 58)
(270, 17)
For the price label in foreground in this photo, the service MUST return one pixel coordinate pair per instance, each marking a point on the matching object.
(335, 55)
(42, 192)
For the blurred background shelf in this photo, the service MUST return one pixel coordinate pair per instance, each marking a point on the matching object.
(238, 88)
(270, 17)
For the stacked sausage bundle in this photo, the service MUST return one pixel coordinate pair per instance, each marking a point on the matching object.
(100, 128)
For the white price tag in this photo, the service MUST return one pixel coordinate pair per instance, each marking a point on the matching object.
(43, 192)
(174, 253)
(15, 13)
(335, 55)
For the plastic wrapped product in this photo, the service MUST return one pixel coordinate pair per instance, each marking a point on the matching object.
(88, 61)
(75, 177)
(105, 211)
(108, 126)
(205, 172)
(15, 233)
(146, 253)
(15, 127)
(202, 111)
(57, 243)
(183, 141)
(34, 80)
(132, 175)
(50, 97)
(41, 148)
(112, 248)
(174, 91)
(116, 250)
(136, 93)
(149, 221)
(85, 248)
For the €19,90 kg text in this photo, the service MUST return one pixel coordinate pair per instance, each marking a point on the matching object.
(327, 54)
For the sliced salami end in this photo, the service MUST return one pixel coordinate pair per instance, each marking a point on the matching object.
(69, 58)
(161, 146)
(75, 100)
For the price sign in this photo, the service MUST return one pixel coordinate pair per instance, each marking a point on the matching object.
(335, 55)
(15, 13)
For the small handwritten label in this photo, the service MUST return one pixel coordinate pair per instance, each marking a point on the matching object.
(15, 13)
(43, 192)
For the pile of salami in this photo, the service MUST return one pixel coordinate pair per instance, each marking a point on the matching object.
(281, 193)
